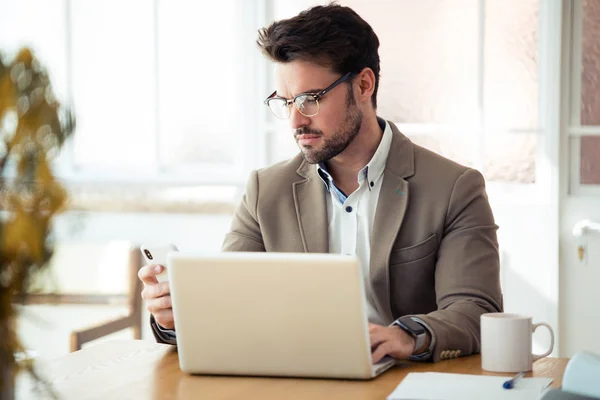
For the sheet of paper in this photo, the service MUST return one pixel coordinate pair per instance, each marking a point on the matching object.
(443, 386)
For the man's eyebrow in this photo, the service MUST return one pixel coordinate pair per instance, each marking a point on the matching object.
(309, 91)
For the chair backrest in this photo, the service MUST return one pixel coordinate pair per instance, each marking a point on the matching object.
(135, 285)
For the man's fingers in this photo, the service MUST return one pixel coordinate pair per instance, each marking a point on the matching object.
(381, 351)
(156, 290)
(377, 338)
(165, 319)
(155, 306)
(161, 289)
(147, 273)
(379, 334)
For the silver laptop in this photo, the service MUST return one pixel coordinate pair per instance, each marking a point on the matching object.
(271, 314)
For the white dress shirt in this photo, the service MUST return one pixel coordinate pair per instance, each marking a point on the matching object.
(351, 217)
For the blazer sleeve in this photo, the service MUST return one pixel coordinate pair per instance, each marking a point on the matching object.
(161, 335)
(244, 235)
(467, 273)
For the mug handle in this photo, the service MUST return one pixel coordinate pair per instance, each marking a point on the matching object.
(534, 327)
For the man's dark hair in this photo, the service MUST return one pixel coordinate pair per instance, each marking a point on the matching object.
(331, 36)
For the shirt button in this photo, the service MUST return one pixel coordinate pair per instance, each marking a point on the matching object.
(349, 209)
(372, 184)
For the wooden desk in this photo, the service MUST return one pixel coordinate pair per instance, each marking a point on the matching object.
(134, 369)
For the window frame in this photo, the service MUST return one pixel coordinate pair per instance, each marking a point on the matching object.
(573, 127)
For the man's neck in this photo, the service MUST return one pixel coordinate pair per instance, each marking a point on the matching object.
(344, 167)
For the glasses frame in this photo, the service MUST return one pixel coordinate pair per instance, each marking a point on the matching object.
(316, 97)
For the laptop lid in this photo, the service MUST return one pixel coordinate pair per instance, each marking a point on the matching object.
(270, 314)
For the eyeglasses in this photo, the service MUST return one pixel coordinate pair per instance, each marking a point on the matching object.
(306, 103)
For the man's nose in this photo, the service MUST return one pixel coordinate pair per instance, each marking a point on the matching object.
(297, 119)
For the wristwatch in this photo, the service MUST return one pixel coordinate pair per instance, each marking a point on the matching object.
(413, 328)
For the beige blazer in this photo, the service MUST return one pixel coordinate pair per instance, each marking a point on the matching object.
(434, 249)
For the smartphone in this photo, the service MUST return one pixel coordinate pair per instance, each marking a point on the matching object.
(157, 254)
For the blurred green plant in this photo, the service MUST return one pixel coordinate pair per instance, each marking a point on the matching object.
(33, 127)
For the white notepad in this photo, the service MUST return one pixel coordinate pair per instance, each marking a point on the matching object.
(442, 386)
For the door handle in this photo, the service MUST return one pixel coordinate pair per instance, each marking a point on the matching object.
(584, 226)
(580, 229)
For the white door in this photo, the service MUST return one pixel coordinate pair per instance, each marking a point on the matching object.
(580, 180)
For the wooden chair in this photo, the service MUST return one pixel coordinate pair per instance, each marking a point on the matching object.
(133, 319)
(94, 273)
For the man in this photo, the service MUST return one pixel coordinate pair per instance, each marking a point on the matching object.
(420, 225)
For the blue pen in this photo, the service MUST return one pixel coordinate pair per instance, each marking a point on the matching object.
(509, 384)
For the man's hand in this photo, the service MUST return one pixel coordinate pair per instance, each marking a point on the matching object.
(157, 296)
(390, 340)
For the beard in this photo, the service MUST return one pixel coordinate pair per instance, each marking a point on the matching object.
(339, 140)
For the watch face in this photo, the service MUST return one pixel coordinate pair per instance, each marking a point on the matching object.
(413, 326)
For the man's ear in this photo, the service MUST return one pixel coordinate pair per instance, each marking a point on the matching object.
(366, 85)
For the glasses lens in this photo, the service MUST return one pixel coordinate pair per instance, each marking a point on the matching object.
(279, 108)
(307, 104)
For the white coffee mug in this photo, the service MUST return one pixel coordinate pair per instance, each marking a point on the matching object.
(506, 341)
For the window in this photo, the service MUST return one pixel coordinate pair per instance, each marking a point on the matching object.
(162, 90)
(590, 59)
(584, 121)
(43, 30)
(113, 72)
(171, 91)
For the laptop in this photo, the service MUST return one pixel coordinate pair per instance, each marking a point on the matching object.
(271, 314)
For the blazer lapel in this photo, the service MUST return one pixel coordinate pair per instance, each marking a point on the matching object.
(391, 207)
(311, 210)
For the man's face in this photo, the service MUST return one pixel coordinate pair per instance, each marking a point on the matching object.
(327, 134)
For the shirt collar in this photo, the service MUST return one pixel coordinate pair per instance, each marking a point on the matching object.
(324, 175)
(374, 169)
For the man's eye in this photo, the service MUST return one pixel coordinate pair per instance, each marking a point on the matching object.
(300, 101)
(304, 101)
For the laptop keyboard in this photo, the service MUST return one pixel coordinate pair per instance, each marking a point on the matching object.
(383, 364)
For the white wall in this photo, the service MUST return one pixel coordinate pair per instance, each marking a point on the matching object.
(526, 272)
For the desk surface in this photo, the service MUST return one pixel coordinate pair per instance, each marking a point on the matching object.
(135, 369)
